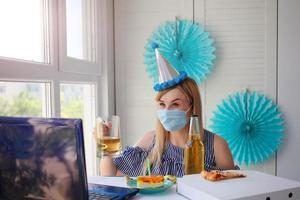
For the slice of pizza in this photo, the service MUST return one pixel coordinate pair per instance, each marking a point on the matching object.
(216, 175)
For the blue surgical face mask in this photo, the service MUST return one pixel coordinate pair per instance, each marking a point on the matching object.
(172, 120)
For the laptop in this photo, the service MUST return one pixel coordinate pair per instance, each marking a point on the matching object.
(43, 158)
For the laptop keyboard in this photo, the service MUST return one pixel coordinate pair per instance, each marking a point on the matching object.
(97, 196)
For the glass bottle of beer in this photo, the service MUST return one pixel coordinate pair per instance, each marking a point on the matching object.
(194, 150)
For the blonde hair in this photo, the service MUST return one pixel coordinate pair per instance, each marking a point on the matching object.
(191, 91)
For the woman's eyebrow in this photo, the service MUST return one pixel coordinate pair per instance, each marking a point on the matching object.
(176, 100)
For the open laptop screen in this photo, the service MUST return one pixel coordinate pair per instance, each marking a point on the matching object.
(42, 158)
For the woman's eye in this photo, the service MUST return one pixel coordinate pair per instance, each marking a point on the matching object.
(175, 104)
(161, 104)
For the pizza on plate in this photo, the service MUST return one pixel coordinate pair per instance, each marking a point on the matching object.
(216, 175)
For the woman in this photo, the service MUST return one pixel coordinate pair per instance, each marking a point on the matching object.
(165, 146)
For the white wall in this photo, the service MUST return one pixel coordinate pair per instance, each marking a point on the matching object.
(245, 38)
(288, 85)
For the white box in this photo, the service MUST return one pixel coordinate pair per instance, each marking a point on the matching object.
(256, 186)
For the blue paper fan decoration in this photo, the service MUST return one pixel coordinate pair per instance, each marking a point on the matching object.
(185, 45)
(251, 124)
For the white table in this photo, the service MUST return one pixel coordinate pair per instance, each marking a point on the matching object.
(256, 186)
(121, 182)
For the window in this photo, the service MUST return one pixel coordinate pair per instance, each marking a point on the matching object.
(49, 63)
(24, 99)
(24, 35)
(78, 101)
(80, 30)
(80, 36)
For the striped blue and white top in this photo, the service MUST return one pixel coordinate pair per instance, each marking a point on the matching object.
(131, 161)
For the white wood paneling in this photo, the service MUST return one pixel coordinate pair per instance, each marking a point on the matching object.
(245, 38)
(288, 86)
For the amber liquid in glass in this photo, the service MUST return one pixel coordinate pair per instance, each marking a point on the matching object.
(194, 155)
(109, 145)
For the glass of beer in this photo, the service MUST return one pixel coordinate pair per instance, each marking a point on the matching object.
(108, 136)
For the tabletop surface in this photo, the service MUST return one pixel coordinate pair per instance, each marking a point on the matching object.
(260, 183)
